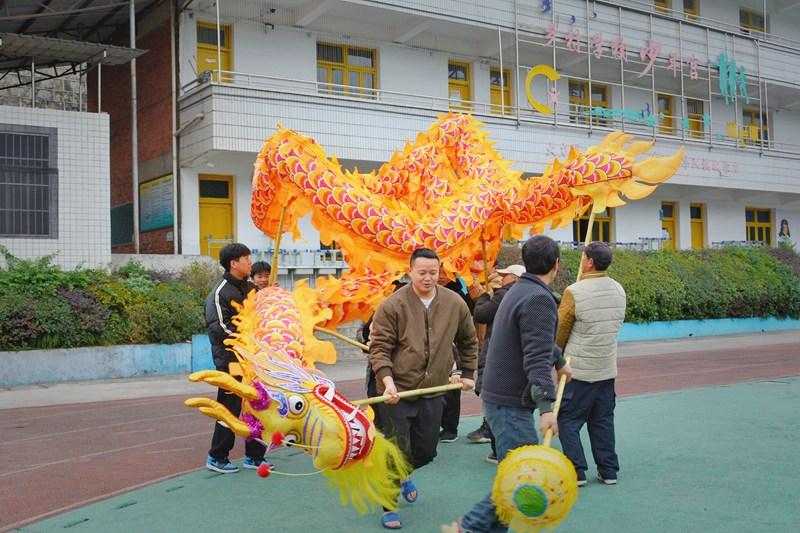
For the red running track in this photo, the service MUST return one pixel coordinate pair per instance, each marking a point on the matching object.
(61, 457)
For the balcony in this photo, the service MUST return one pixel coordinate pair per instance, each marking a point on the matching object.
(245, 107)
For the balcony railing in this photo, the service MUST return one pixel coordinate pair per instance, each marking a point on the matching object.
(717, 133)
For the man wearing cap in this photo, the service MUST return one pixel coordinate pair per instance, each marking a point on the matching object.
(589, 319)
(486, 305)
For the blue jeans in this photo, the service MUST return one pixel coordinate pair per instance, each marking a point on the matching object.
(512, 428)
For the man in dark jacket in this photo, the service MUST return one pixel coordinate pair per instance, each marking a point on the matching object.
(233, 287)
(518, 375)
(486, 306)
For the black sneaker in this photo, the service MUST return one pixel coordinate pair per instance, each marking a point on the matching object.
(491, 459)
(480, 435)
(448, 437)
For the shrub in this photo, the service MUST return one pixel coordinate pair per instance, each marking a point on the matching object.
(668, 285)
(45, 307)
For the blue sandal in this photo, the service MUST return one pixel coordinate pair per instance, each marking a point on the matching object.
(391, 516)
(409, 487)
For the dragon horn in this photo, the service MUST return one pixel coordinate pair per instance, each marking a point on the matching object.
(656, 169)
(637, 148)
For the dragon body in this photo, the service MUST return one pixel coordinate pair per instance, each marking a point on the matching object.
(449, 191)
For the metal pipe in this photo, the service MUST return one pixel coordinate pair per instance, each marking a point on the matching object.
(621, 68)
(33, 84)
(219, 50)
(175, 119)
(653, 98)
(589, 67)
(502, 75)
(99, 87)
(737, 116)
(516, 57)
(554, 82)
(708, 76)
(134, 129)
(766, 106)
(760, 101)
(684, 110)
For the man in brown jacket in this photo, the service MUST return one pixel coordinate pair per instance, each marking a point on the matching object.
(411, 347)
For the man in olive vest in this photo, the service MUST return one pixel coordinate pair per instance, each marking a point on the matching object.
(589, 319)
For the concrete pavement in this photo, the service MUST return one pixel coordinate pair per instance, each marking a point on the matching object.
(345, 370)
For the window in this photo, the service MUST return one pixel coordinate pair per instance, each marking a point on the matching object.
(758, 224)
(667, 126)
(28, 182)
(346, 70)
(500, 88)
(668, 225)
(580, 109)
(750, 21)
(601, 230)
(662, 6)
(754, 126)
(691, 8)
(694, 113)
(459, 86)
(208, 55)
(330, 252)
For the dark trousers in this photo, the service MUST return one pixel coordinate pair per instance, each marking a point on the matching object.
(591, 404)
(415, 425)
(452, 411)
(223, 439)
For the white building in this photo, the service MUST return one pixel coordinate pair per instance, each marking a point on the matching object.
(54, 186)
(361, 77)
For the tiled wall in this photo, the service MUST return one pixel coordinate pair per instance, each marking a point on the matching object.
(84, 234)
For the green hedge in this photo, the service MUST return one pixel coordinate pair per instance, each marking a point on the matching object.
(45, 307)
(728, 283)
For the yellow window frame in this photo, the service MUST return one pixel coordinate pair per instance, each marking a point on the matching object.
(667, 125)
(346, 89)
(500, 105)
(758, 129)
(226, 52)
(464, 87)
(697, 128)
(755, 229)
(601, 231)
(691, 8)
(749, 25)
(580, 109)
(663, 6)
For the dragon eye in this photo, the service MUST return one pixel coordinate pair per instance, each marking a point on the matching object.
(296, 404)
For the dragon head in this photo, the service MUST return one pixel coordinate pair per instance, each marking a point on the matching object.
(286, 401)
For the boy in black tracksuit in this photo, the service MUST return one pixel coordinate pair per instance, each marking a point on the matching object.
(233, 287)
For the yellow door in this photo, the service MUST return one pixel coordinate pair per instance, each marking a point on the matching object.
(500, 91)
(458, 86)
(668, 225)
(216, 213)
(697, 215)
(665, 106)
(207, 50)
